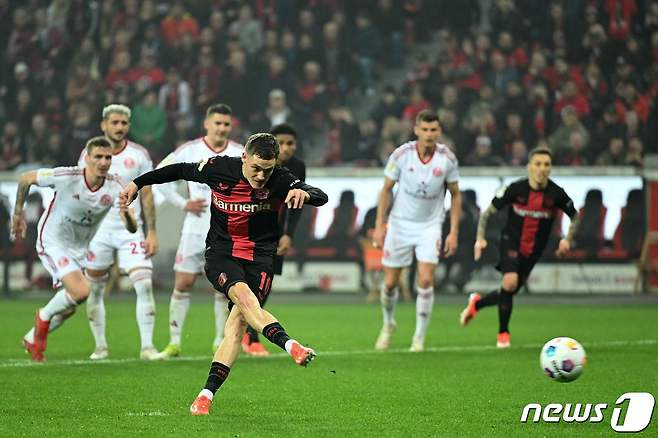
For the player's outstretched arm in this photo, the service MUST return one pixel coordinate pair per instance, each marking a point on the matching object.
(305, 194)
(18, 224)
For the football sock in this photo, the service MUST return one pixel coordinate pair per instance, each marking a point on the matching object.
(221, 313)
(216, 377)
(276, 334)
(178, 307)
(59, 303)
(96, 310)
(253, 334)
(490, 299)
(424, 305)
(505, 302)
(388, 299)
(145, 306)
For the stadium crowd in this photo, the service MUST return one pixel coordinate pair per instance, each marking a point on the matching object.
(505, 78)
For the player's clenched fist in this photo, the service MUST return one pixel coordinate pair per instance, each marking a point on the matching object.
(296, 198)
(378, 236)
(127, 196)
(480, 244)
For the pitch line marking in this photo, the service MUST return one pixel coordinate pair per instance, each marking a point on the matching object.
(21, 363)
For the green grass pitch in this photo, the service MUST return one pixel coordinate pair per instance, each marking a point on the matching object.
(462, 386)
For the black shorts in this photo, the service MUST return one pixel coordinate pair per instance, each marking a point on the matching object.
(278, 265)
(511, 260)
(223, 271)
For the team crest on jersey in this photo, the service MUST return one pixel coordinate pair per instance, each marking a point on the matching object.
(437, 172)
(179, 257)
(106, 200)
(63, 261)
(261, 193)
(129, 163)
(91, 256)
(512, 253)
(223, 187)
(221, 280)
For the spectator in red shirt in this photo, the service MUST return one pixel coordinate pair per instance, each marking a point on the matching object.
(119, 74)
(177, 22)
(416, 104)
(571, 97)
(205, 80)
(146, 74)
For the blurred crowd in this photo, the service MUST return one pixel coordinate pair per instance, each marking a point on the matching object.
(580, 76)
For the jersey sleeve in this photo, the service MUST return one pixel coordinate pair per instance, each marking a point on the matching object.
(565, 203)
(81, 158)
(452, 174)
(56, 177)
(503, 197)
(288, 181)
(197, 172)
(392, 169)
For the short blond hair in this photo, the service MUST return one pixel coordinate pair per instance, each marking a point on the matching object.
(116, 108)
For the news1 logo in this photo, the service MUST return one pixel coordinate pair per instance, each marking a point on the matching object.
(638, 412)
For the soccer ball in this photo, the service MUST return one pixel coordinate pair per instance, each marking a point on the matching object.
(563, 359)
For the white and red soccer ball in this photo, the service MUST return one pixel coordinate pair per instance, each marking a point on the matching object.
(563, 359)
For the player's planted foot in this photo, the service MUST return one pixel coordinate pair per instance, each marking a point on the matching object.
(302, 355)
(40, 332)
(149, 353)
(384, 338)
(503, 340)
(35, 353)
(171, 350)
(470, 311)
(256, 349)
(201, 405)
(417, 344)
(99, 354)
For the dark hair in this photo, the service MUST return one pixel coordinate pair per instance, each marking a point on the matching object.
(97, 142)
(263, 145)
(283, 128)
(219, 108)
(427, 116)
(541, 150)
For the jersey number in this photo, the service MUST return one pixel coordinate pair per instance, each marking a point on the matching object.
(265, 282)
(138, 248)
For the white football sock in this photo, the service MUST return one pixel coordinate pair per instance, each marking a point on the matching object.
(389, 299)
(288, 345)
(96, 309)
(178, 307)
(208, 393)
(221, 313)
(424, 306)
(60, 302)
(145, 307)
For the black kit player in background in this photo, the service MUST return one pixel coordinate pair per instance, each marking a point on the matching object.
(286, 136)
(534, 202)
(241, 244)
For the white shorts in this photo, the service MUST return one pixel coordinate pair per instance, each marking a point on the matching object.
(130, 248)
(403, 239)
(190, 256)
(60, 260)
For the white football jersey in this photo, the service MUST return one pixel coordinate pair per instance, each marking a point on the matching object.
(421, 184)
(129, 163)
(76, 211)
(193, 152)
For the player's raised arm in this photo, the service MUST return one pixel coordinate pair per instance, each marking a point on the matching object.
(18, 224)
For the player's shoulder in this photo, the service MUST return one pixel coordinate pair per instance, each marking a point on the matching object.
(64, 171)
(189, 145)
(403, 150)
(518, 185)
(554, 187)
(442, 149)
(113, 179)
(234, 148)
(138, 149)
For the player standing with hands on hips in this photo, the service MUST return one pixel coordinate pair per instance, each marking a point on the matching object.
(241, 243)
(422, 169)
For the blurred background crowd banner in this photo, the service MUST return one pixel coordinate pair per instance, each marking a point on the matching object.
(504, 76)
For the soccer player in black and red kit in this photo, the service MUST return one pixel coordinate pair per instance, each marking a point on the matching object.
(534, 202)
(240, 247)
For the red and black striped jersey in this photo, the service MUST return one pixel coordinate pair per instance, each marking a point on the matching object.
(531, 214)
(243, 220)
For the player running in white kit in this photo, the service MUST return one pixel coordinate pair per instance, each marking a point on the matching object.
(133, 250)
(83, 197)
(190, 258)
(422, 169)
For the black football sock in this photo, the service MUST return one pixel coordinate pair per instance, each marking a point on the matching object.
(490, 299)
(253, 334)
(276, 334)
(505, 301)
(217, 375)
